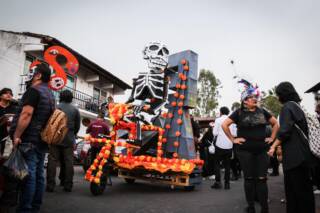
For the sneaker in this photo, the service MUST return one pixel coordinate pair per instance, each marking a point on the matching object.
(216, 185)
(316, 192)
(212, 177)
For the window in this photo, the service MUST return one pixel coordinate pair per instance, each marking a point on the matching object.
(96, 93)
(27, 63)
(103, 96)
(70, 81)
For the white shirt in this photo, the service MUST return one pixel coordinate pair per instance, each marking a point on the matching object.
(223, 142)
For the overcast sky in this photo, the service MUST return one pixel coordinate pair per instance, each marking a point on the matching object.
(269, 40)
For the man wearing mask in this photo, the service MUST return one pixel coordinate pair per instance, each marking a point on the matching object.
(37, 105)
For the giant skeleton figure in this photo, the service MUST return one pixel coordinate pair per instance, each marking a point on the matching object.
(150, 92)
(150, 89)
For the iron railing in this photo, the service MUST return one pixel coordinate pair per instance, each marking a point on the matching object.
(82, 100)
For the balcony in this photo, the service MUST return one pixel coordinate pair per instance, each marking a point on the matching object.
(82, 100)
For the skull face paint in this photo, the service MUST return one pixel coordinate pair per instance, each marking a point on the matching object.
(156, 55)
(32, 70)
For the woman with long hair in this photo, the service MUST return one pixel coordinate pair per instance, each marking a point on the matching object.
(251, 145)
(296, 155)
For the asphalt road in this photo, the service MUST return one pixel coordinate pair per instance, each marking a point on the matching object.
(146, 197)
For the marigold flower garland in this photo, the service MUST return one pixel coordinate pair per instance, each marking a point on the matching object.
(158, 163)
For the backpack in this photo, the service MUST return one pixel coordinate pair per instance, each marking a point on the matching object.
(314, 132)
(56, 128)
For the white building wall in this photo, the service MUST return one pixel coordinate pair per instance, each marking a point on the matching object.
(13, 48)
(82, 85)
(12, 58)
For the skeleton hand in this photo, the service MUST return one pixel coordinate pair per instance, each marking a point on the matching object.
(137, 109)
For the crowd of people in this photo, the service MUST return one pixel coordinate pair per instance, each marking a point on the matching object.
(243, 141)
(247, 141)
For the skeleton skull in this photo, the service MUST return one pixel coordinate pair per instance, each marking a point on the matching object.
(156, 54)
(57, 83)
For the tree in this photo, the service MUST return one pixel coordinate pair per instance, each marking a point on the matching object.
(271, 102)
(235, 106)
(208, 93)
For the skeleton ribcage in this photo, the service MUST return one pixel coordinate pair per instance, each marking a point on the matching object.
(149, 85)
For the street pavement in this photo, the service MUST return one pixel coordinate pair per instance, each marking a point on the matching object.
(146, 197)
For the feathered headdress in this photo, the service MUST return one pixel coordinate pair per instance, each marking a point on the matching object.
(249, 89)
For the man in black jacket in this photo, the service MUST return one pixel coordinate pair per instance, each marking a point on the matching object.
(63, 152)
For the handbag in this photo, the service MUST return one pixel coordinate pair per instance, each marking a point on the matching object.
(212, 148)
(16, 166)
(314, 132)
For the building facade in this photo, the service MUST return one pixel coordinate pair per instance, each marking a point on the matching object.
(90, 86)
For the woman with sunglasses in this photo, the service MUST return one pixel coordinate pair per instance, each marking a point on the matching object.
(251, 145)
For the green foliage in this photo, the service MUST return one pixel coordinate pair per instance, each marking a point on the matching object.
(271, 102)
(208, 93)
(235, 106)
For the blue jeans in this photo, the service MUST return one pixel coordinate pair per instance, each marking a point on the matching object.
(32, 188)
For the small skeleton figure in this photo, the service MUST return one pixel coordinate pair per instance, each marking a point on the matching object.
(151, 87)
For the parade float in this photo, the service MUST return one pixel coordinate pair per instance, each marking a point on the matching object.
(152, 137)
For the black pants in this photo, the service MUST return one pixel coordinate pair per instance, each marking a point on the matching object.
(255, 168)
(224, 156)
(235, 166)
(208, 166)
(316, 174)
(298, 189)
(64, 155)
